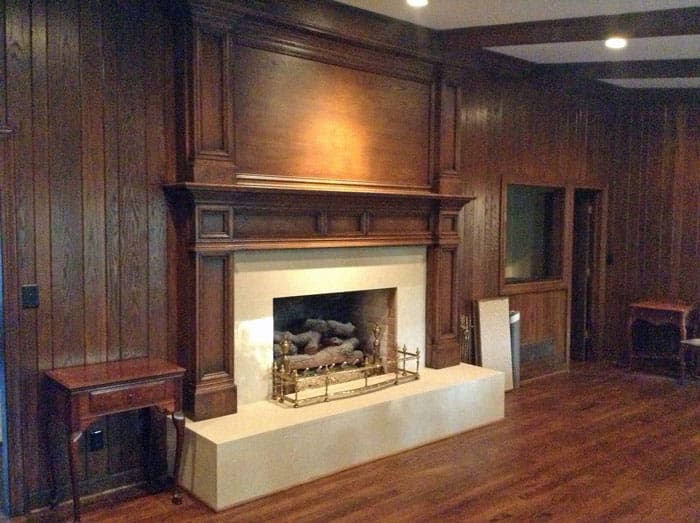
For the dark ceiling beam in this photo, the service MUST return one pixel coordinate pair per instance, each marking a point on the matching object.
(668, 22)
(633, 69)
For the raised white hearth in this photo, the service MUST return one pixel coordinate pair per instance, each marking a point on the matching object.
(266, 448)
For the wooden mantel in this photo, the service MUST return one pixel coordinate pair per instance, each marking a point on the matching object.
(213, 222)
(295, 137)
(237, 217)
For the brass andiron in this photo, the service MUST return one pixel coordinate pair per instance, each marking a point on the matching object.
(376, 332)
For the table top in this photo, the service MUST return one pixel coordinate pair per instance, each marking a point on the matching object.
(81, 377)
(665, 305)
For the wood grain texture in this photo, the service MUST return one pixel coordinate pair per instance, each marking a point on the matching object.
(88, 86)
(133, 188)
(89, 221)
(595, 444)
(91, 59)
(21, 257)
(544, 317)
(515, 132)
(654, 218)
(304, 119)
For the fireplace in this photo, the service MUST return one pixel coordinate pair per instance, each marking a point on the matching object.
(290, 139)
(388, 284)
(241, 246)
(346, 329)
(301, 172)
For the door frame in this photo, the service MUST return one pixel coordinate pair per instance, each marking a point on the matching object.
(598, 268)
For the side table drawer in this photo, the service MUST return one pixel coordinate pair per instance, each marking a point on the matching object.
(126, 398)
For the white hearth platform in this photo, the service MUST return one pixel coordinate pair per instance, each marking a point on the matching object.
(266, 448)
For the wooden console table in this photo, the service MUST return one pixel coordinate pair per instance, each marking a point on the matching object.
(84, 393)
(657, 313)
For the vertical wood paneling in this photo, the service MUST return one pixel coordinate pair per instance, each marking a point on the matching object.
(133, 189)
(42, 189)
(91, 89)
(65, 146)
(9, 286)
(10, 289)
(87, 88)
(518, 132)
(19, 95)
(686, 226)
(655, 189)
(112, 181)
(158, 171)
(93, 167)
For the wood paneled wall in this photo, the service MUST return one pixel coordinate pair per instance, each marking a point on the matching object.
(88, 90)
(516, 131)
(654, 241)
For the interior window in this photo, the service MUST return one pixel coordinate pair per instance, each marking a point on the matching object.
(534, 225)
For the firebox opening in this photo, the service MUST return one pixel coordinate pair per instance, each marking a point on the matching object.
(335, 329)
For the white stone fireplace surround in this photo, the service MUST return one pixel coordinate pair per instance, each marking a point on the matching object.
(263, 448)
(261, 276)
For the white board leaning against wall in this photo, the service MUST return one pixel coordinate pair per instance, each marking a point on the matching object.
(493, 335)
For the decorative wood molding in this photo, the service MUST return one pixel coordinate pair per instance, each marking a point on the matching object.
(293, 134)
(214, 221)
(312, 47)
(247, 181)
(324, 19)
(448, 107)
(236, 217)
(213, 88)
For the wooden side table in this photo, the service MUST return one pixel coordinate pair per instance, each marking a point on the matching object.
(84, 393)
(658, 313)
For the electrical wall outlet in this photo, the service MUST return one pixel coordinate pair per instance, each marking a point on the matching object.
(96, 440)
(30, 296)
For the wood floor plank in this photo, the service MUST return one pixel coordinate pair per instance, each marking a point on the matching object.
(594, 444)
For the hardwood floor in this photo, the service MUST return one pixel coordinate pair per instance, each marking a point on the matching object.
(594, 444)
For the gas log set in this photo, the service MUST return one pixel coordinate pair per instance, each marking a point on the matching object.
(325, 360)
(320, 344)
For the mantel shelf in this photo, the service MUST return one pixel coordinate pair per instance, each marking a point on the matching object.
(240, 193)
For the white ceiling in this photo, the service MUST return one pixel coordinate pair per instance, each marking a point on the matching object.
(654, 48)
(456, 14)
(453, 14)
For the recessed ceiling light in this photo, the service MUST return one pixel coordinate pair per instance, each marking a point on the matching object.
(417, 3)
(616, 43)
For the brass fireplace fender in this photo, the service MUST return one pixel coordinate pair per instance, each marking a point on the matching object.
(288, 384)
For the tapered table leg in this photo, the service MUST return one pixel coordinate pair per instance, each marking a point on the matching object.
(179, 422)
(73, 450)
